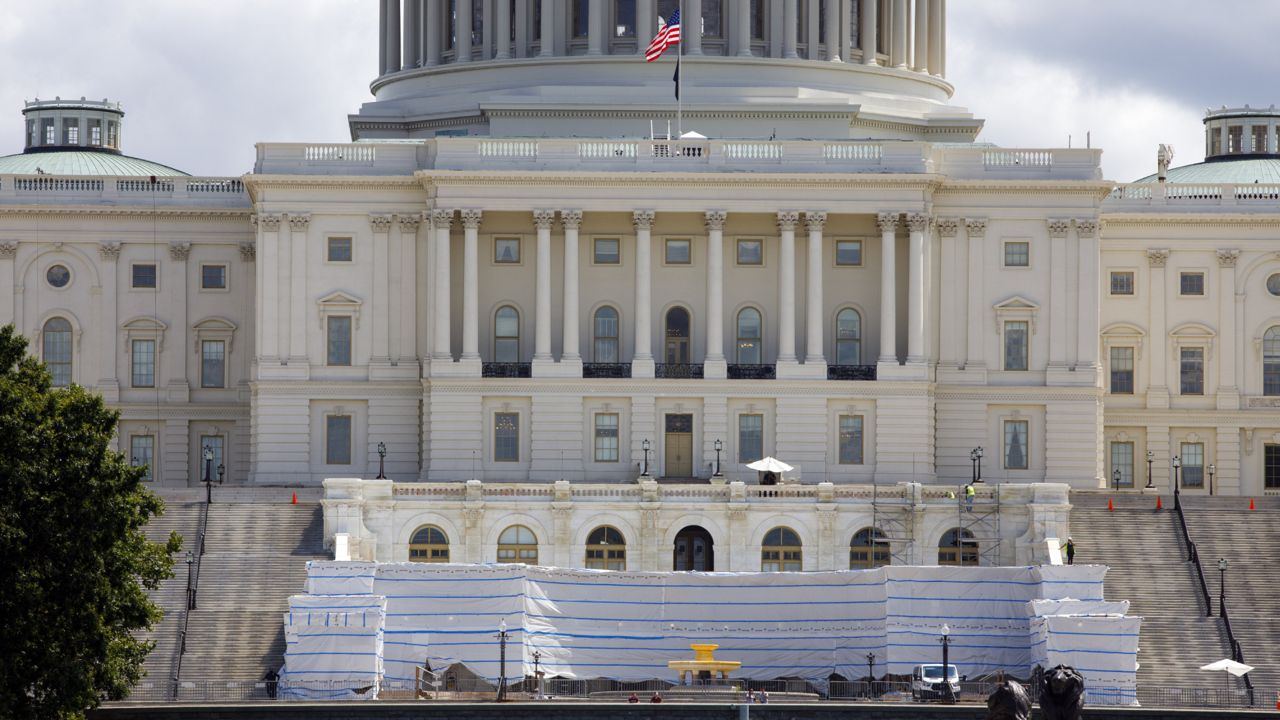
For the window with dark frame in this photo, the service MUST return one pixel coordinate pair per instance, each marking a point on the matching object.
(339, 249)
(506, 437)
(1191, 364)
(338, 328)
(848, 253)
(1271, 467)
(1017, 253)
(605, 251)
(143, 276)
(337, 443)
(1121, 371)
(1121, 282)
(213, 277)
(750, 252)
(1191, 283)
(213, 364)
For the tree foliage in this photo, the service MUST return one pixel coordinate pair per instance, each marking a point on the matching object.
(74, 562)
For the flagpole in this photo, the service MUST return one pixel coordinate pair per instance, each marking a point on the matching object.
(679, 78)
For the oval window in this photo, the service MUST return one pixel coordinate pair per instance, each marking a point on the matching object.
(1273, 284)
(58, 276)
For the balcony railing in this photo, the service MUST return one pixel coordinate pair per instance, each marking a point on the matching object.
(678, 371)
(606, 370)
(752, 372)
(851, 372)
(506, 370)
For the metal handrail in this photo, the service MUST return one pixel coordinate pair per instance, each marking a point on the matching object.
(190, 598)
(1237, 651)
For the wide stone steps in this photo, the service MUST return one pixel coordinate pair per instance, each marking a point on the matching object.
(171, 596)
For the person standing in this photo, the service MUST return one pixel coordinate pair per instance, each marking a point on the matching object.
(969, 494)
(1070, 547)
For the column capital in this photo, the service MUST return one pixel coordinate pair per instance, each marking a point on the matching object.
(179, 250)
(1058, 227)
(714, 219)
(248, 251)
(948, 227)
(409, 223)
(919, 222)
(108, 249)
(299, 221)
(9, 249)
(814, 220)
(269, 222)
(788, 219)
(441, 219)
(975, 227)
(1157, 257)
(471, 218)
(1087, 227)
(1227, 257)
(888, 221)
(570, 219)
(380, 223)
(643, 219)
(543, 219)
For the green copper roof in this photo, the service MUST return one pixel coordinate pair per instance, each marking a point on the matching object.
(1225, 172)
(73, 162)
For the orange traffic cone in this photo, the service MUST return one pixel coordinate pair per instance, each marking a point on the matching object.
(1110, 507)
(295, 498)
(1251, 504)
(1159, 504)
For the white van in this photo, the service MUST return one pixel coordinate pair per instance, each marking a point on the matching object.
(927, 682)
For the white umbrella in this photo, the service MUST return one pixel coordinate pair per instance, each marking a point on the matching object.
(769, 464)
(1231, 666)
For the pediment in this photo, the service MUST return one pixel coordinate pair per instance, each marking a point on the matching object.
(1121, 329)
(214, 324)
(339, 298)
(1192, 330)
(1017, 302)
(144, 324)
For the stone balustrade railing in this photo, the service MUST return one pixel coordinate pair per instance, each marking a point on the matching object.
(1178, 196)
(224, 192)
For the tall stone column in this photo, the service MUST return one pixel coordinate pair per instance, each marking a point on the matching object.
(888, 223)
(595, 28)
(109, 251)
(299, 224)
(975, 357)
(646, 26)
(547, 45)
(283, 278)
(1059, 229)
(405, 349)
(1228, 387)
(382, 37)
(921, 63)
(790, 26)
(941, 69)
(814, 323)
(832, 39)
(471, 219)
(950, 305)
(642, 358)
(542, 288)
(502, 39)
(269, 288)
(571, 220)
(412, 28)
(381, 354)
(524, 31)
(463, 44)
(935, 37)
(919, 225)
(1086, 355)
(179, 389)
(431, 30)
(714, 364)
(1158, 388)
(899, 39)
(867, 30)
(690, 31)
(441, 351)
(392, 45)
(787, 286)
(742, 29)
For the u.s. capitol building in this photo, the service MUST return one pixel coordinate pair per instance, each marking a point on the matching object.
(521, 272)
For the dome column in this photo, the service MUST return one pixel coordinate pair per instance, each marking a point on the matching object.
(391, 36)
(547, 45)
(412, 34)
(832, 39)
(935, 37)
(431, 30)
(646, 26)
(464, 24)
(502, 38)
(595, 27)
(691, 27)
(867, 30)
(790, 11)
(898, 40)
(921, 63)
(742, 30)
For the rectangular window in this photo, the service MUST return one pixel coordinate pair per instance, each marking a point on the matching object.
(750, 438)
(624, 18)
(1259, 139)
(1191, 283)
(144, 276)
(50, 132)
(1015, 444)
(1015, 345)
(1192, 456)
(1234, 134)
(677, 252)
(213, 277)
(751, 252)
(1271, 467)
(506, 251)
(1122, 460)
(339, 249)
(1017, 253)
(849, 252)
(70, 131)
(1121, 371)
(339, 332)
(1122, 282)
(506, 437)
(144, 363)
(213, 364)
(215, 445)
(606, 251)
(95, 133)
(606, 440)
(337, 439)
(1191, 361)
(581, 21)
(850, 439)
(142, 449)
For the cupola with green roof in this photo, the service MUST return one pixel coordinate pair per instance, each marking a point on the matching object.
(1240, 148)
(77, 137)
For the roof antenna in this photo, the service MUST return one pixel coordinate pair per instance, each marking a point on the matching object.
(1088, 140)
(1068, 141)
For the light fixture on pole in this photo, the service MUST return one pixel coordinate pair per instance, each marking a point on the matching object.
(208, 470)
(1151, 457)
(946, 694)
(979, 451)
(1115, 479)
(382, 459)
(502, 660)
(1222, 587)
(645, 446)
(871, 673)
(973, 465)
(1177, 481)
(537, 674)
(719, 446)
(191, 591)
(1211, 470)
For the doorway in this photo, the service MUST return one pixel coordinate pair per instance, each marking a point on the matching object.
(677, 350)
(678, 442)
(694, 551)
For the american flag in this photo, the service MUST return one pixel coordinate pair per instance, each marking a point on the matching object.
(668, 35)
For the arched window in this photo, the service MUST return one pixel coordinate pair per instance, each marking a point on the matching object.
(677, 338)
(429, 544)
(506, 335)
(957, 547)
(780, 551)
(606, 549)
(606, 335)
(868, 549)
(517, 544)
(750, 333)
(56, 341)
(1271, 361)
(848, 337)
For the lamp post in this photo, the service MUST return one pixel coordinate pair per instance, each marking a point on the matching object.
(946, 659)
(191, 591)
(1177, 481)
(719, 447)
(645, 446)
(979, 451)
(1211, 470)
(208, 470)
(1115, 479)
(382, 461)
(502, 660)
(537, 674)
(1222, 587)
(1151, 457)
(973, 464)
(871, 673)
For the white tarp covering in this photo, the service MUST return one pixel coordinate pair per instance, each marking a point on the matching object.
(333, 646)
(1104, 649)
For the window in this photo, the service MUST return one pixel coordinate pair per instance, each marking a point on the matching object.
(1259, 139)
(605, 251)
(606, 437)
(1122, 460)
(339, 249)
(518, 544)
(50, 132)
(1015, 444)
(55, 342)
(1273, 284)
(1122, 282)
(1271, 467)
(1271, 361)
(113, 134)
(1015, 345)
(606, 549)
(429, 544)
(143, 363)
(712, 19)
(1191, 362)
(581, 22)
(677, 252)
(849, 252)
(750, 438)
(850, 439)
(213, 277)
(624, 18)
(1192, 456)
(957, 547)
(1235, 134)
(213, 364)
(144, 276)
(339, 335)
(506, 251)
(142, 449)
(751, 252)
(95, 133)
(1121, 371)
(848, 337)
(606, 335)
(506, 335)
(215, 444)
(750, 330)
(506, 437)
(868, 549)
(1191, 283)
(781, 551)
(1017, 253)
(70, 131)
(676, 347)
(58, 276)
(337, 439)
(757, 19)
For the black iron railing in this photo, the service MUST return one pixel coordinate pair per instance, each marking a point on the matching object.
(752, 372)
(678, 371)
(506, 370)
(606, 370)
(851, 372)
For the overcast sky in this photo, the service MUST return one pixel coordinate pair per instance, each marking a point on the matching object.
(203, 81)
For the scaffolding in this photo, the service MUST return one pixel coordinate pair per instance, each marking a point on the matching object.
(893, 518)
(981, 521)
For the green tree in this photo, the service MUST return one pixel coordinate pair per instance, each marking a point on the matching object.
(74, 561)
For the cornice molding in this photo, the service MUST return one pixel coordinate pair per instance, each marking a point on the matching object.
(835, 181)
(1267, 221)
(168, 213)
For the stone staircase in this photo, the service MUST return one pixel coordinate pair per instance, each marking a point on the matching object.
(183, 518)
(1144, 549)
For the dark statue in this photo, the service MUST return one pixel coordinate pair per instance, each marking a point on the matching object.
(1008, 702)
(1061, 691)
